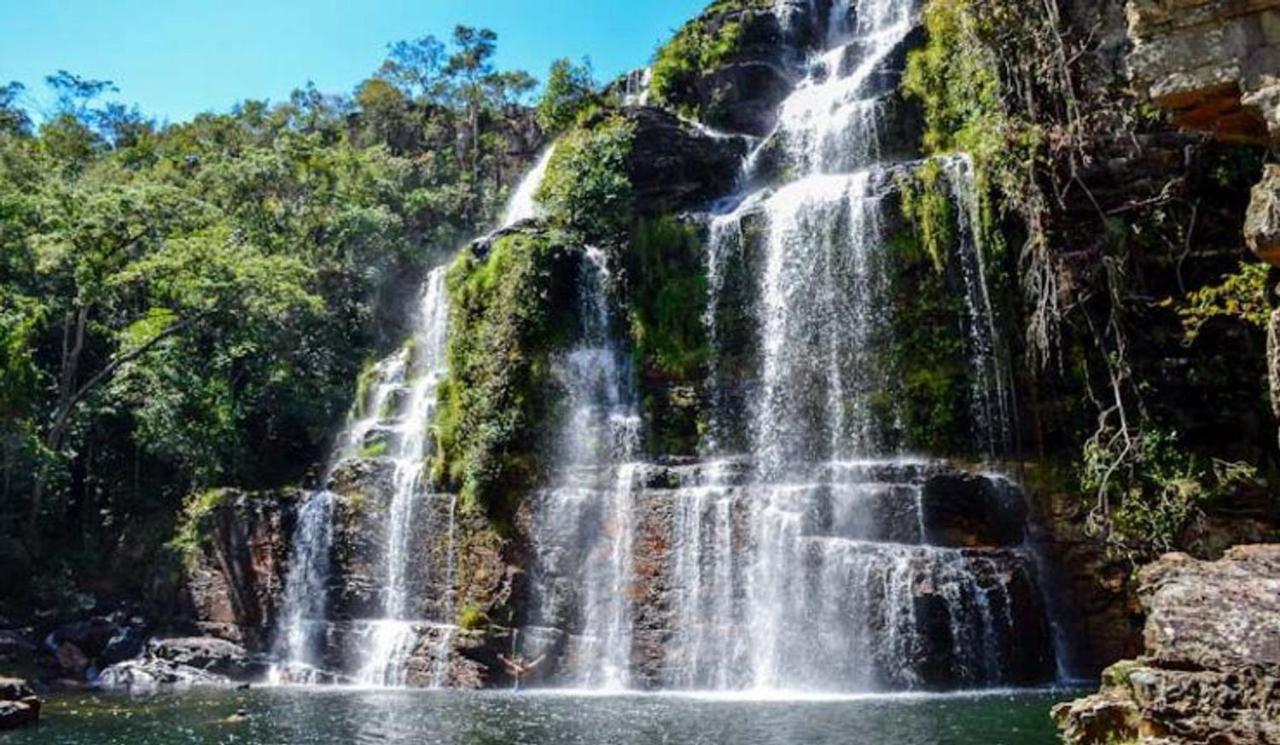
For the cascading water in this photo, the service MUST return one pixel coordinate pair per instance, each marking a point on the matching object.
(810, 563)
(391, 424)
(407, 404)
(522, 205)
(585, 521)
(303, 621)
(991, 395)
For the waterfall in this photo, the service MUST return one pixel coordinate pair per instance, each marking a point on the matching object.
(809, 562)
(407, 408)
(304, 606)
(389, 424)
(522, 205)
(585, 521)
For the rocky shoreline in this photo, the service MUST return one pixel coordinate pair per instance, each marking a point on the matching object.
(1210, 672)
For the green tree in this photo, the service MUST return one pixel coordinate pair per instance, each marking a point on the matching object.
(570, 90)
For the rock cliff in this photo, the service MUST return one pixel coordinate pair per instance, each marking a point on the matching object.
(1210, 672)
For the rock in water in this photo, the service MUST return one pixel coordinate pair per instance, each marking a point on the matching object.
(19, 706)
(1211, 671)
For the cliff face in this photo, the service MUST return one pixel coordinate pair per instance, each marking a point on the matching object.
(1210, 671)
(1212, 63)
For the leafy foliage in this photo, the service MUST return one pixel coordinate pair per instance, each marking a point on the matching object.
(929, 209)
(1241, 296)
(570, 91)
(666, 286)
(1158, 491)
(510, 309)
(587, 189)
(186, 307)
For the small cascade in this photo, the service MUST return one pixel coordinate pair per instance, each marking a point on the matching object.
(635, 87)
(589, 511)
(992, 394)
(407, 408)
(522, 205)
(390, 425)
(300, 638)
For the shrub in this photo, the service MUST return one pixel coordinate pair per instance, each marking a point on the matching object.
(587, 189)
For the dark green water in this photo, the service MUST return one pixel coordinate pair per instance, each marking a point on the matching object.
(339, 717)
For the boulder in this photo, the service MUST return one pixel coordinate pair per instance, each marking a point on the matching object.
(146, 675)
(1211, 668)
(216, 656)
(1262, 222)
(19, 705)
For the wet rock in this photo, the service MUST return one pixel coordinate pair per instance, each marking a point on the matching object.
(1101, 615)
(17, 645)
(215, 656)
(235, 575)
(145, 675)
(19, 705)
(127, 643)
(90, 637)
(674, 165)
(71, 660)
(967, 510)
(1211, 668)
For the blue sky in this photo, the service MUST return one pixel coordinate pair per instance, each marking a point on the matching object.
(176, 58)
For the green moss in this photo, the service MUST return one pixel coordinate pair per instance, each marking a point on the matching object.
(510, 310)
(956, 78)
(471, 618)
(667, 298)
(928, 206)
(189, 534)
(367, 379)
(587, 188)
(374, 449)
(924, 404)
(667, 284)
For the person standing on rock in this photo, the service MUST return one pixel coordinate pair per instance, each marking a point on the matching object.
(518, 669)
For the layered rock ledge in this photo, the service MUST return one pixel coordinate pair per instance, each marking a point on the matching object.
(19, 705)
(1211, 669)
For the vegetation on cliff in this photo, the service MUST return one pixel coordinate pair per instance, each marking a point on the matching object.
(1033, 98)
(511, 308)
(586, 189)
(698, 48)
